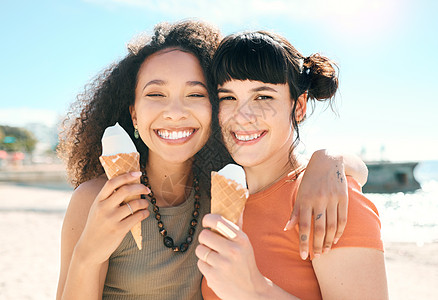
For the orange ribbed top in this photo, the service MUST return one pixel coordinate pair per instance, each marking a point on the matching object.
(277, 252)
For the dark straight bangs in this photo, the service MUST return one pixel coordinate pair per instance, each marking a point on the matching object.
(251, 56)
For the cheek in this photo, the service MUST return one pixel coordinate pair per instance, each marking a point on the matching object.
(265, 110)
(224, 123)
(149, 111)
(225, 114)
(284, 126)
(203, 112)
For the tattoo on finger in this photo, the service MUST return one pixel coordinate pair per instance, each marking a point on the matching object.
(303, 237)
(318, 217)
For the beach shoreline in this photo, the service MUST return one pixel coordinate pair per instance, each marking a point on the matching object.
(30, 226)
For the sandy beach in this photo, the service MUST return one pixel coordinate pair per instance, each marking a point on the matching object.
(30, 225)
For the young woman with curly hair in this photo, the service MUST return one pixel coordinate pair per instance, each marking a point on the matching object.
(159, 93)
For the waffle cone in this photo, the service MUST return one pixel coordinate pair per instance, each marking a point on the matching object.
(228, 198)
(118, 164)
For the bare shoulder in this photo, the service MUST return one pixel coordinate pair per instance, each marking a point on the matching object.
(81, 201)
(88, 190)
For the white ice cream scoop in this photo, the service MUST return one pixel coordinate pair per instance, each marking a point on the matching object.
(234, 172)
(116, 140)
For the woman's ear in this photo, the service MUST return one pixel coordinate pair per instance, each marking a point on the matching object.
(133, 115)
(300, 111)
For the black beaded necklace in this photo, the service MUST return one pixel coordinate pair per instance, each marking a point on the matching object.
(168, 241)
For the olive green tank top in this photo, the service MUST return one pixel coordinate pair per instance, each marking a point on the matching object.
(156, 272)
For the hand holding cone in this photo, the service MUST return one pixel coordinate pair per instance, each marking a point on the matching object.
(119, 156)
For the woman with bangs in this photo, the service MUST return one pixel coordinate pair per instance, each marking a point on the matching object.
(264, 85)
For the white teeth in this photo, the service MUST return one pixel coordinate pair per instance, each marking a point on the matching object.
(247, 137)
(174, 135)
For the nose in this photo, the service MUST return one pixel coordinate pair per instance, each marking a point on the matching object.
(244, 114)
(176, 110)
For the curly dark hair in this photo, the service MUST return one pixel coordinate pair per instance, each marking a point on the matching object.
(106, 100)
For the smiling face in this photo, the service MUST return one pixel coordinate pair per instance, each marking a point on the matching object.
(172, 110)
(255, 118)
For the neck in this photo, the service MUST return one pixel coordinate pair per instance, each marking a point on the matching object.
(262, 176)
(170, 182)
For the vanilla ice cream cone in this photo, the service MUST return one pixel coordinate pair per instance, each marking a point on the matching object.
(228, 197)
(119, 156)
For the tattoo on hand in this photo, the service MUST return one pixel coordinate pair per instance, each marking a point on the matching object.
(339, 176)
(318, 217)
(304, 237)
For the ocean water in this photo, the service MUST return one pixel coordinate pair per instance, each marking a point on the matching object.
(411, 217)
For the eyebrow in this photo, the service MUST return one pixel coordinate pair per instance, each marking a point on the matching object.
(155, 81)
(257, 89)
(264, 88)
(162, 82)
(222, 90)
(195, 83)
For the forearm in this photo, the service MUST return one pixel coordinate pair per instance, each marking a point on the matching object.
(83, 279)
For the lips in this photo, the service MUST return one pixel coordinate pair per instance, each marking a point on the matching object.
(179, 135)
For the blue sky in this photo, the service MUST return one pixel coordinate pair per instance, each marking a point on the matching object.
(386, 51)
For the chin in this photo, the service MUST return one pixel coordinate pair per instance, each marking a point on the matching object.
(180, 154)
(179, 158)
(247, 160)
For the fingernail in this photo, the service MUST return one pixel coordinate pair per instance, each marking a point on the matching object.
(325, 250)
(316, 255)
(303, 255)
(335, 241)
(136, 174)
(287, 225)
(225, 231)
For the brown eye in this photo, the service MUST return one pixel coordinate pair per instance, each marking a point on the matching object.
(264, 97)
(197, 95)
(227, 98)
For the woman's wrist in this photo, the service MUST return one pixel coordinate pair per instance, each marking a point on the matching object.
(332, 160)
(349, 164)
(268, 290)
(263, 289)
(355, 167)
(82, 257)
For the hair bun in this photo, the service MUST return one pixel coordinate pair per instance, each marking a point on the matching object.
(323, 76)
